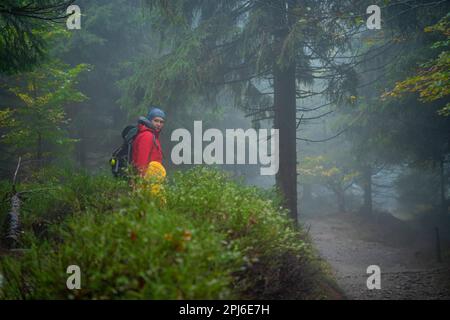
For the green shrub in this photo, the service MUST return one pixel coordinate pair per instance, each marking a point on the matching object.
(213, 239)
(52, 194)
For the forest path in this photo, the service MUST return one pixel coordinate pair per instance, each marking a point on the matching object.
(407, 272)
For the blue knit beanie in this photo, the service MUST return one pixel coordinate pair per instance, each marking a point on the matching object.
(156, 112)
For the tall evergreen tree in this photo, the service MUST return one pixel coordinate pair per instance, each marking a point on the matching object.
(242, 47)
(23, 25)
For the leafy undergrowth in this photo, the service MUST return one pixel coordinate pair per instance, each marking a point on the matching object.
(211, 239)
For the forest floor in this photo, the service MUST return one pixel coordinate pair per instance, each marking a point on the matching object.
(406, 256)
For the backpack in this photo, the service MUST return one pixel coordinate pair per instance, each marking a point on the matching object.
(121, 157)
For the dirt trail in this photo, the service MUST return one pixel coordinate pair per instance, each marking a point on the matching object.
(406, 273)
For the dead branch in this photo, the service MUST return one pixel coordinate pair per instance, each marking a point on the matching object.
(12, 223)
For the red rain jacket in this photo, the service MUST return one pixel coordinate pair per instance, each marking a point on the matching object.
(146, 148)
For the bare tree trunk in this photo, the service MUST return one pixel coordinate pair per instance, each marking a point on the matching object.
(443, 187)
(284, 84)
(285, 121)
(12, 222)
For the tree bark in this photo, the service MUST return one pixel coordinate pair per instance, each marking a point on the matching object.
(12, 224)
(443, 187)
(285, 121)
(284, 83)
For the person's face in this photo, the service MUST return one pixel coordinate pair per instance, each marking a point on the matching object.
(158, 123)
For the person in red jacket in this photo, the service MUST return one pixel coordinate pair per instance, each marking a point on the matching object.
(146, 146)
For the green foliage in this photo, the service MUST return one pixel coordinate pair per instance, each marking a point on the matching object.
(320, 170)
(39, 114)
(53, 193)
(232, 45)
(240, 212)
(23, 28)
(203, 244)
(432, 81)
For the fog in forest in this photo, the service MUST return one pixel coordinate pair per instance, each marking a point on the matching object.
(358, 91)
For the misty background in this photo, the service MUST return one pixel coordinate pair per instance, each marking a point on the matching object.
(408, 170)
(363, 114)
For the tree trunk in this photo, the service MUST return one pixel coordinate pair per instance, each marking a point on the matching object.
(284, 84)
(367, 186)
(443, 188)
(12, 224)
(285, 121)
